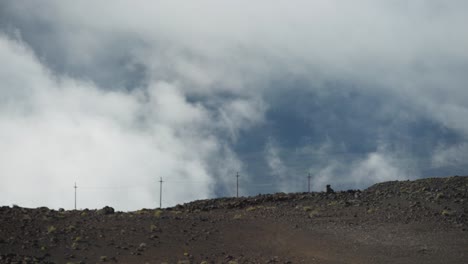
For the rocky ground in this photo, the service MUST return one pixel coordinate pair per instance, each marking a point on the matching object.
(423, 221)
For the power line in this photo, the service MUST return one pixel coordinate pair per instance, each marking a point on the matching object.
(114, 188)
(261, 184)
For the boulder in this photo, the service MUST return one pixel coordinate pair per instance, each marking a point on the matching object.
(106, 210)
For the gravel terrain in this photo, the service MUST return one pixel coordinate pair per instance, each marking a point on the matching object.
(422, 221)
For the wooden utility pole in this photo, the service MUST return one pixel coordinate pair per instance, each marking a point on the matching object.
(308, 178)
(160, 192)
(237, 186)
(75, 193)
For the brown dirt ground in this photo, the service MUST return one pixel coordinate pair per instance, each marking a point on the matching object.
(421, 221)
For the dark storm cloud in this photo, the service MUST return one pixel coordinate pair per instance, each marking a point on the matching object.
(353, 92)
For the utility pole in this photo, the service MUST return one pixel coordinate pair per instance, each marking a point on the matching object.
(160, 192)
(308, 178)
(75, 193)
(237, 189)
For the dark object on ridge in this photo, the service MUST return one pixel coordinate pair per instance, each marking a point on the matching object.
(106, 210)
(329, 189)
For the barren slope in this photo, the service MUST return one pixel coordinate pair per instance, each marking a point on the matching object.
(421, 221)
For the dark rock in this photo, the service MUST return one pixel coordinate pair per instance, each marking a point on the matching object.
(43, 209)
(106, 210)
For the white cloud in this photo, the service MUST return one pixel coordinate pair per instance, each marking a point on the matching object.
(450, 156)
(416, 51)
(241, 114)
(376, 167)
(272, 156)
(58, 130)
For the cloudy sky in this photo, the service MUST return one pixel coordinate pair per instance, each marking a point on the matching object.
(114, 95)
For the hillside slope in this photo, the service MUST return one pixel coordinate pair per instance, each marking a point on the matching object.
(423, 221)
